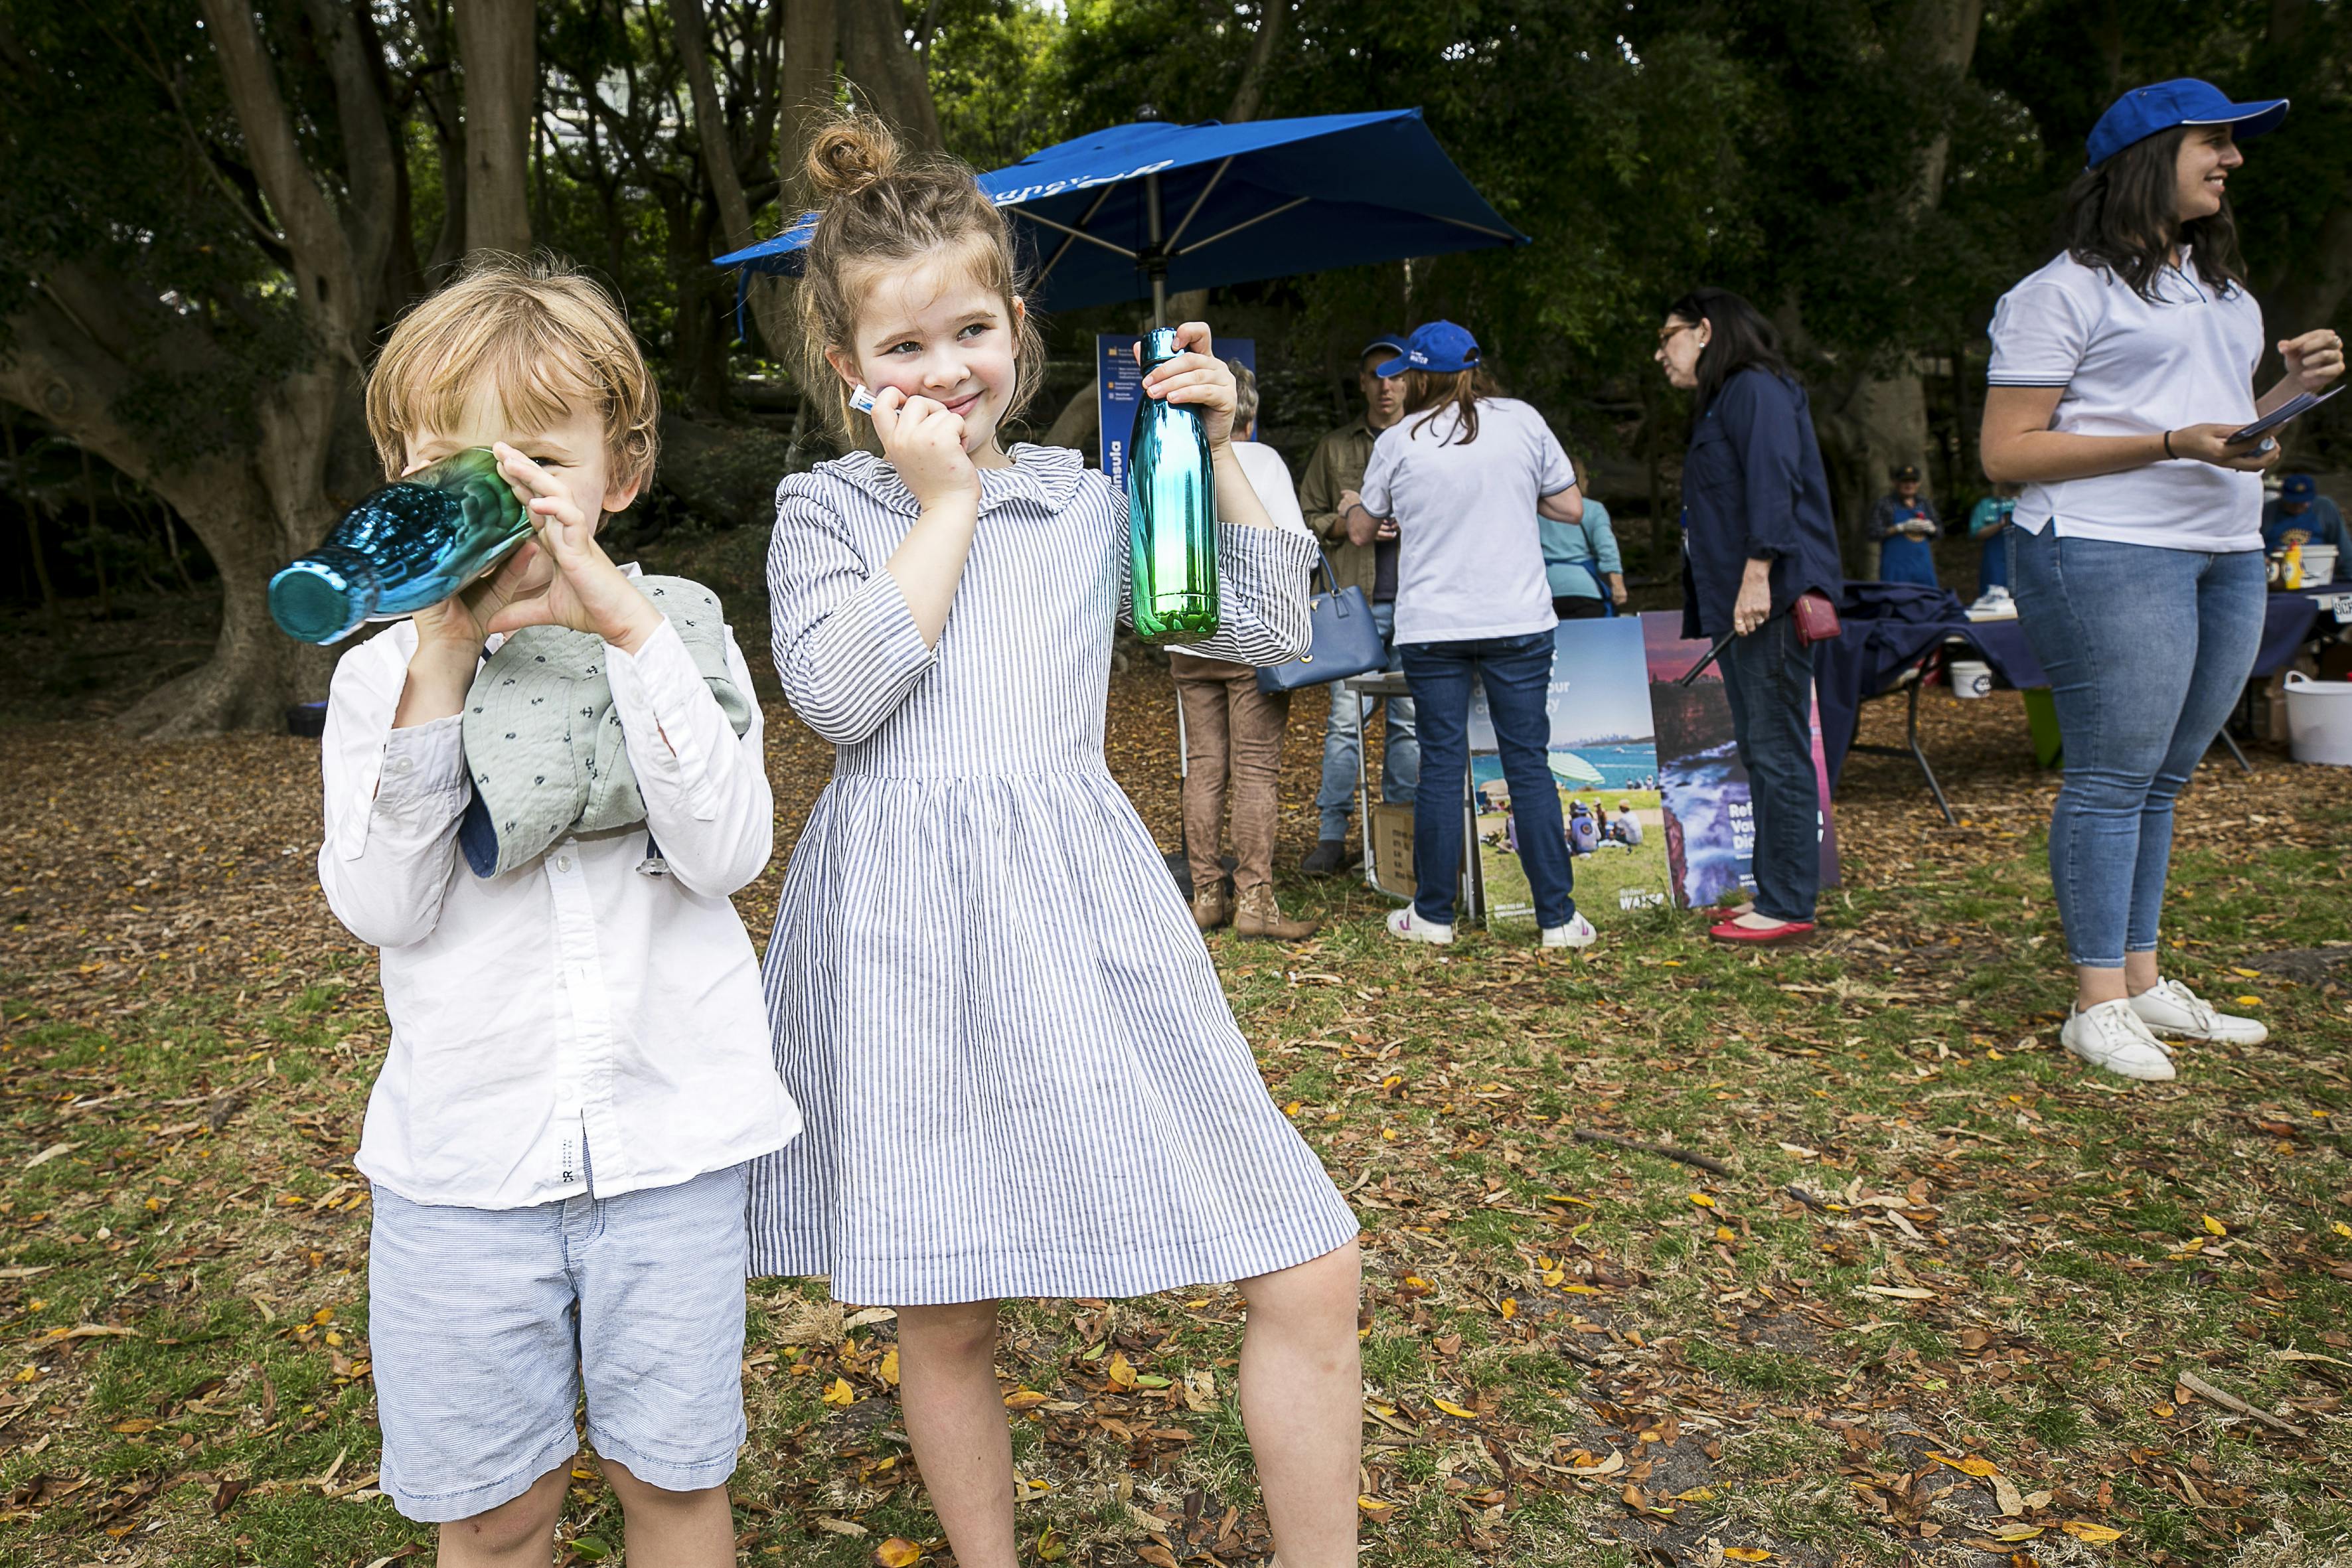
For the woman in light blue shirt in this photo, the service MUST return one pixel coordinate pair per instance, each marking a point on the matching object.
(1577, 556)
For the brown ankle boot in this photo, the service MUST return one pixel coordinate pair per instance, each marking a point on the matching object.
(1258, 915)
(1210, 909)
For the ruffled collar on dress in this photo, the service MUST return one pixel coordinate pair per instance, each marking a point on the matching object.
(1045, 476)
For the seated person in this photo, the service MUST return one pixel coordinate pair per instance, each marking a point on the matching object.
(2303, 516)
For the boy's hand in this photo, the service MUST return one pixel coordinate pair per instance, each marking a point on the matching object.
(1196, 376)
(924, 443)
(585, 591)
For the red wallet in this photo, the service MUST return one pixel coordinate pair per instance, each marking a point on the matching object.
(1816, 617)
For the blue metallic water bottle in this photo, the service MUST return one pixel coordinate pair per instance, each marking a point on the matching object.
(1172, 512)
(411, 544)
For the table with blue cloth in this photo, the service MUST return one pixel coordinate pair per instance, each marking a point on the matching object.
(1897, 633)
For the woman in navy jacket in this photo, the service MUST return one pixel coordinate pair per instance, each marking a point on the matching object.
(1756, 533)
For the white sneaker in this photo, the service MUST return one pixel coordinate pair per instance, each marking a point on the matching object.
(2170, 1008)
(1411, 927)
(2111, 1035)
(1576, 932)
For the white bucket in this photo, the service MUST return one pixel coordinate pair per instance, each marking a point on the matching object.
(2318, 565)
(2319, 720)
(1970, 678)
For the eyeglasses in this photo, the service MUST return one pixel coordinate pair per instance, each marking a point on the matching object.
(1667, 334)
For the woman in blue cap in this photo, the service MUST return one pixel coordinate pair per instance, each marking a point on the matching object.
(2118, 372)
(1464, 475)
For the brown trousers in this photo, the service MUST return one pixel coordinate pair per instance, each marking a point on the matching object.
(1229, 726)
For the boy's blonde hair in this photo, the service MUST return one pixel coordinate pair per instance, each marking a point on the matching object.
(547, 340)
(879, 208)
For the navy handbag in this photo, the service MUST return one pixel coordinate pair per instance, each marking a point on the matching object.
(1346, 641)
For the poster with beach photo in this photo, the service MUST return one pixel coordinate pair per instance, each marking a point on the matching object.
(1710, 830)
(1604, 765)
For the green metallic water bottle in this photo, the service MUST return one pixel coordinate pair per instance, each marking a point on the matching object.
(1172, 512)
(410, 544)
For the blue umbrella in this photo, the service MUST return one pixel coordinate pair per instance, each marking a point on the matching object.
(1143, 209)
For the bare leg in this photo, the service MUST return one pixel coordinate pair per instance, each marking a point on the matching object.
(672, 1529)
(1302, 1392)
(518, 1533)
(2093, 987)
(955, 1420)
(2139, 971)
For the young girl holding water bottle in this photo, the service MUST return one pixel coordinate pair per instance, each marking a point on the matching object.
(1019, 1073)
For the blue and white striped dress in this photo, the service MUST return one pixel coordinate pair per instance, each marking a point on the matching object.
(1017, 1069)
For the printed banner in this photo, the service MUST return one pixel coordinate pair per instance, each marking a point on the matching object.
(1710, 824)
(1118, 387)
(1603, 763)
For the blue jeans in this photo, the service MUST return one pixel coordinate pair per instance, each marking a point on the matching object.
(1400, 757)
(2146, 648)
(1768, 677)
(1517, 674)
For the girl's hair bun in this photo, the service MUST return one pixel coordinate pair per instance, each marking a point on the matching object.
(851, 154)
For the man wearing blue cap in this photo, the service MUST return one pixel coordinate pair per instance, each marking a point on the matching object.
(2303, 516)
(2119, 372)
(1333, 473)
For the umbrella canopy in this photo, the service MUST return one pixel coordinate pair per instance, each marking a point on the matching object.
(1570, 769)
(1139, 209)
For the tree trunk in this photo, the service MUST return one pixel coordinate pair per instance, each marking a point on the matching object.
(496, 45)
(1274, 16)
(812, 46)
(888, 73)
(768, 306)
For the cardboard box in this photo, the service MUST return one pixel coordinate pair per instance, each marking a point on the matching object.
(1392, 843)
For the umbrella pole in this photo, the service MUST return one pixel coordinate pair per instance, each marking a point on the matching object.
(1155, 262)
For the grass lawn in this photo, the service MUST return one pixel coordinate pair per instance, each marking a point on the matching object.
(1943, 1305)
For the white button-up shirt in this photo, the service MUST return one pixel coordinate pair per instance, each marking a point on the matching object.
(584, 1011)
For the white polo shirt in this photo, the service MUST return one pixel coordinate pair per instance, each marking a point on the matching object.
(2133, 367)
(1469, 551)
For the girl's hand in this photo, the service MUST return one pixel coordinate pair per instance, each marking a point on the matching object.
(2313, 361)
(585, 591)
(2211, 443)
(1196, 376)
(924, 443)
(1754, 605)
(1617, 591)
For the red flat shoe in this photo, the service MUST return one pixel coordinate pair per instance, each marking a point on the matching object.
(1732, 931)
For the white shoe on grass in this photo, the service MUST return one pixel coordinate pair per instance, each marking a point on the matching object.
(2170, 1009)
(1576, 932)
(2111, 1035)
(1405, 924)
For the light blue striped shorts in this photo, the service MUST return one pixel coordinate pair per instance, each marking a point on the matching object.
(485, 1325)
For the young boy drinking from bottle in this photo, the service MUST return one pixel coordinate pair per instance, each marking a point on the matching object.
(539, 795)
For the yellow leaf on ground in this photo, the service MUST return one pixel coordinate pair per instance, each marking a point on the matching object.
(898, 1553)
(838, 1392)
(1025, 1399)
(2015, 1532)
(1508, 1307)
(890, 1367)
(1452, 1409)
(1564, 1198)
(2245, 973)
(1748, 1554)
(2247, 1001)
(1703, 1200)
(2093, 1534)
(1971, 1465)
(1122, 1372)
(1373, 1505)
(1051, 1546)
(2343, 1230)
(2215, 1227)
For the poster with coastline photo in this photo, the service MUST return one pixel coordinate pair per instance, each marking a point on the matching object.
(1710, 835)
(1604, 765)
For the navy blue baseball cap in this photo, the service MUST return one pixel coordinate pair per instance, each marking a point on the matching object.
(2299, 486)
(1440, 348)
(2185, 100)
(1388, 340)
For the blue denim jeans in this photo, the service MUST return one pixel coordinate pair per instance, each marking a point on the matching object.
(1768, 677)
(1400, 757)
(1517, 674)
(2146, 648)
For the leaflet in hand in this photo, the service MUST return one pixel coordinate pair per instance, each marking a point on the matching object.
(2300, 404)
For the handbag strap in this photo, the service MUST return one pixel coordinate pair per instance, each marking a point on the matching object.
(1330, 579)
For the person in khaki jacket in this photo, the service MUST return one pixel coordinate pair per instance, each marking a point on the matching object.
(1334, 471)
